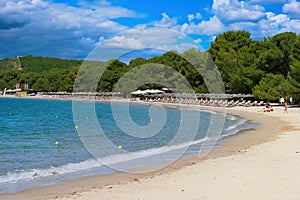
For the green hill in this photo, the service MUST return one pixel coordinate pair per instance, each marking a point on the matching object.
(10, 63)
(37, 63)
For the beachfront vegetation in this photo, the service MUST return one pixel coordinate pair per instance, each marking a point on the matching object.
(268, 68)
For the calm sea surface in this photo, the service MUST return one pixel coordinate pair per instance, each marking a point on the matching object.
(40, 143)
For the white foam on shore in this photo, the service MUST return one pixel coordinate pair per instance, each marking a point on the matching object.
(27, 175)
(235, 125)
(149, 152)
(239, 124)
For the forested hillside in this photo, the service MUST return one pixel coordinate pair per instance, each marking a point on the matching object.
(269, 69)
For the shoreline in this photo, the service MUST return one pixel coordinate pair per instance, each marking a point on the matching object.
(237, 144)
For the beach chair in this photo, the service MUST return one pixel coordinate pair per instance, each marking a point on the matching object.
(248, 103)
(254, 103)
(241, 103)
(203, 102)
(235, 103)
(228, 103)
(261, 103)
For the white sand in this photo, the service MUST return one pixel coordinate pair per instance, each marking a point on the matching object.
(266, 171)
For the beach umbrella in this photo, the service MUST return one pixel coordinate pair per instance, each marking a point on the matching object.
(153, 91)
(138, 92)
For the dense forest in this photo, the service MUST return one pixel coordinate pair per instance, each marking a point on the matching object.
(268, 68)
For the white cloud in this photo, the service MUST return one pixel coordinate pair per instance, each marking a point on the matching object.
(166, 21)
(198, 16)
(198, 41)
(184, 28)
(213, 38)
(277, 20)
(235, 11)
(124, 42)
(292, 8)
(101, 39)
(273, 24)
(211, 27)
(140, 26)
(191, 17)
(87, 40)
(56, 29)
(243, 26)
(61, 16)
(156, 38)
(292, 25)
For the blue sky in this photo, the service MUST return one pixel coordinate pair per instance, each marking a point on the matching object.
(72, 29)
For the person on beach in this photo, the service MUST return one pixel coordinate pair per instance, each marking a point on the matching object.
(268, 108)
(285, 108)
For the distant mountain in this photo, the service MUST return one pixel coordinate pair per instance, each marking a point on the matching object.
(37, 63)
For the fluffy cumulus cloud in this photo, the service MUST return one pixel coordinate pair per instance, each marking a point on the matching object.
(42, 27)
(249, 15)
(272, 24)
(205, 27)
(234, 10)
(56, 29)
(277, 20)
(292, 8)
(60, 16)
(191, 17)
(125, 42)
(156, 38)
(166, 21)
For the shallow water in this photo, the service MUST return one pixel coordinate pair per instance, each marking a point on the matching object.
(41, 142)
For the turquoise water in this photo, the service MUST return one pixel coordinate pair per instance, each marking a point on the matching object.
(40, 144)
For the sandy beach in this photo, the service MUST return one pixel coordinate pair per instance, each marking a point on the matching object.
(256, 164)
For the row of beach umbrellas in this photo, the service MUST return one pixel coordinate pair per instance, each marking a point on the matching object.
(201, 95)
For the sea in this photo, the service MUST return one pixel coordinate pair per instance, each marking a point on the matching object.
(43, 142)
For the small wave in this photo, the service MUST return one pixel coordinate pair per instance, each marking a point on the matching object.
(119, 158)
(231, 117)
(239, 126)
(13, 177)
(16, 176)
(236, 124)
(209, 111)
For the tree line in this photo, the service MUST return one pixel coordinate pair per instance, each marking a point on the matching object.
(268, 69)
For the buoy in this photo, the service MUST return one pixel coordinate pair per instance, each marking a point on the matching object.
(120, 147)
(86, 118)
(56, 116)
(9, 113)
(76, 127)
(150, 120)
(56, 142)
